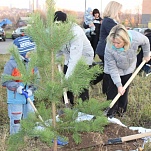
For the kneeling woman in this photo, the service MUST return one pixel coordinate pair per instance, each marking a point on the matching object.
(120, 62)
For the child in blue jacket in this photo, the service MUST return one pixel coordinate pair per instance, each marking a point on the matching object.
(88, 20)
(18, 107)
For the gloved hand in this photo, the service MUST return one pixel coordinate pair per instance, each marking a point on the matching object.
(25, 94)
(29, 91)
(20, 89)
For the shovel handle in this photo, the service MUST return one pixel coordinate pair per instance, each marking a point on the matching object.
(135, 136)
(128, 83)
(64, 89)
(128, 138)
(65, 96)
(33, 106)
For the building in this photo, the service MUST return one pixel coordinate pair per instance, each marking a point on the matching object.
(146, 13)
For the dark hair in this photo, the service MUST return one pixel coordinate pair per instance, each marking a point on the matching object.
(95, 11)
(147, 31)
(60, 16)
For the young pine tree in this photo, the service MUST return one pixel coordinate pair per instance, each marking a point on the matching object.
(50, 38)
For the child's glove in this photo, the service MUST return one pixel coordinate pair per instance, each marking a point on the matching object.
(20, 89)
(29, 91)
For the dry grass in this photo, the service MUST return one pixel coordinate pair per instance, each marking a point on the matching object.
(3, 109)
(3, 105)
(138, 112)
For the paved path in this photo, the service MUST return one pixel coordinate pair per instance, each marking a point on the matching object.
(4, 46)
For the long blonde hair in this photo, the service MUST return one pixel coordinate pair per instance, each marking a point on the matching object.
(112, 10)
(119, 32)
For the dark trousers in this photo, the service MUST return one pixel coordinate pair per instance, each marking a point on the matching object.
(102, 58)
(94, 41)
(101, 77)
(84, 95)
(112, 91)
(140, 58)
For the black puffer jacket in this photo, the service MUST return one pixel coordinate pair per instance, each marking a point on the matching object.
(149, 37)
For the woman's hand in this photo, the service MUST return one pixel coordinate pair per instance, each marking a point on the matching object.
(121, 90)
(146, 58)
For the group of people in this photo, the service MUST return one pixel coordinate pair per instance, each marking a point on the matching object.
(92, 24)
(115, 46)
(117, 49)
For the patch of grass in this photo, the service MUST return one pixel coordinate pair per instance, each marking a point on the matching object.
(4, 133)
(3, 104)
(139, 106)
(138, 110)
(9, 33)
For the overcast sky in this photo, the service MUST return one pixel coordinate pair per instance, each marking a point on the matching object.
(76, 5)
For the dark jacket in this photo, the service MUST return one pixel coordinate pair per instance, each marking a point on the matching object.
(106, 26)
(149, 37)
(140, 54)
(94, 38)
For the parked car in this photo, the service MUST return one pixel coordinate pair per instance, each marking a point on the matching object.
(141, 30)
(18, 32)
(2, 34)
(137, 29)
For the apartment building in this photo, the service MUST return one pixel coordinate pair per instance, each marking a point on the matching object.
(146, 13)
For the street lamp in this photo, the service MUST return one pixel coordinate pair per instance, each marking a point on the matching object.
(85, 5)
(33, 6)
(101, 8)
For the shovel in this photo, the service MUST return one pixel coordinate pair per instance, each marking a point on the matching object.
(31, 103)
(127, 138)
(64, 90)
(126, 85)
(66, 101)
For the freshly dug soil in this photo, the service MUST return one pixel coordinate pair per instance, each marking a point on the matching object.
(95, 141)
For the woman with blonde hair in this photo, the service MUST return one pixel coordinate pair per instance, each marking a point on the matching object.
(112, 10)
(110, 19)
(120, 62)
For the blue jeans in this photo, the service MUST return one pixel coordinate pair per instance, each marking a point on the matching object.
(16, 112)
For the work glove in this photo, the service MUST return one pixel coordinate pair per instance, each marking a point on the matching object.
(20, 89)
(29, 91)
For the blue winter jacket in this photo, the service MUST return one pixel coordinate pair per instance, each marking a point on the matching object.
(12, 96)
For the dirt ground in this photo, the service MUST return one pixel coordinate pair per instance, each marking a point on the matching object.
(96, 141)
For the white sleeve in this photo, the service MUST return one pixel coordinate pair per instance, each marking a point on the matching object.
(76, 48)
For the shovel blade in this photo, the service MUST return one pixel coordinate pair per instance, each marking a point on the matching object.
(106, 111)
(114, 141)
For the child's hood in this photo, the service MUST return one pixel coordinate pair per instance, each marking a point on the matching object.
(89, 9)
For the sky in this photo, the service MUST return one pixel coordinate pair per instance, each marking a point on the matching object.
(100, 4)
(15, 3)
(76, 5)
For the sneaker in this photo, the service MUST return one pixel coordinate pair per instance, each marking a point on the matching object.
(110, 114)
(148, 72)
(147, 69)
